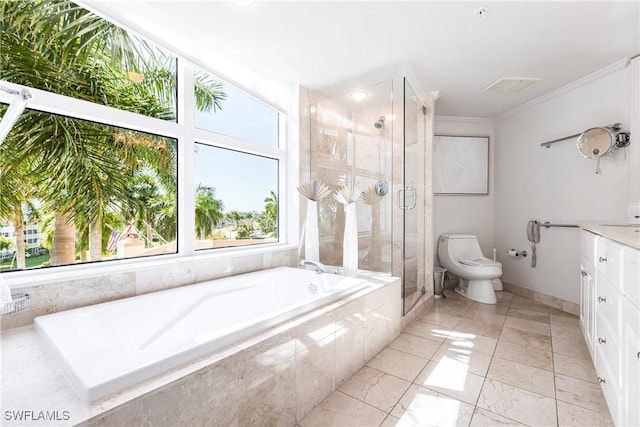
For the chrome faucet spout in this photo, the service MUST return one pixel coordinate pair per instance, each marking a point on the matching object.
(318, 266)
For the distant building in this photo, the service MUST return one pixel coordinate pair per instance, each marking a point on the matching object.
(32, 237)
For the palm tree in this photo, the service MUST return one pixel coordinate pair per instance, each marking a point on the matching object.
(234, 217)
(208, 211)
(83, 167)
(16, 193)
(269, 221)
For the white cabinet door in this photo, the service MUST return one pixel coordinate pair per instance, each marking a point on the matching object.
(589, 289)
(609, 259)
(630, 364)
(631, 274)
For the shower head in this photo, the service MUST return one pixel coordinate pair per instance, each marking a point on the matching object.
(380, 123)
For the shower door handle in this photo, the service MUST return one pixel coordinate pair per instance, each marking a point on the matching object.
(400, 201)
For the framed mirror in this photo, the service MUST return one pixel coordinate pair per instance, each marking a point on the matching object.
(460, 164)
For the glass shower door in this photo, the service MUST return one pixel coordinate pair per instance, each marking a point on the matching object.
(412, 198)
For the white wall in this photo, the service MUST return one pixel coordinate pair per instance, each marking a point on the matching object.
(468, 214)
(557, 184)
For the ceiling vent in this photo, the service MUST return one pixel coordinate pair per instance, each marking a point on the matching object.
(511, 84)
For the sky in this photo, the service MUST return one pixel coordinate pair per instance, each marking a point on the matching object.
(242, 181)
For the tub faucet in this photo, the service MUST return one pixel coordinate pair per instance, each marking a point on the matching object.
(318, 266)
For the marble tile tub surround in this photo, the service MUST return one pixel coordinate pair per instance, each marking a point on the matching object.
(107, 283)
(534, 372)
(274, 378)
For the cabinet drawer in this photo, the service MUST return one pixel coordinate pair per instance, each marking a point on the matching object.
(607, 352)
(631, 274)
(610, 389)
(608, 259)
(608, 303)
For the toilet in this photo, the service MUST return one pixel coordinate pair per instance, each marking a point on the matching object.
(479, 276)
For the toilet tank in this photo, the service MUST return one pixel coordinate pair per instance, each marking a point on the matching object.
(460, 246)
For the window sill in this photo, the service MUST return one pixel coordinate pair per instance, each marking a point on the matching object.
(28, 278)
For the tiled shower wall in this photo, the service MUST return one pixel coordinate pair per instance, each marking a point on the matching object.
(337, 142)
(344, 145)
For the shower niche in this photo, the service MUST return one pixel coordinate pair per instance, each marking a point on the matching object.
(382, 143)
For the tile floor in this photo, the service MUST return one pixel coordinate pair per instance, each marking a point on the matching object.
(463, 363)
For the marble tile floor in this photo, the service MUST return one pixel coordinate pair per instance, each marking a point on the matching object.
(462, 363)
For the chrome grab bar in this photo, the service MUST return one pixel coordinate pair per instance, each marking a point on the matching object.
(547, 224)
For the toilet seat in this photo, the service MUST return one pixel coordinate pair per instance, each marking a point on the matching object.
(480, 262)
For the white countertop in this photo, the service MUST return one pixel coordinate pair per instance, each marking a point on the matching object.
(627, 234)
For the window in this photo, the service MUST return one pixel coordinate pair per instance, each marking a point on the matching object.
(236, 178)
(236, 114)
(236, 198)
(87, 186)
(95, 181)
(59, 47)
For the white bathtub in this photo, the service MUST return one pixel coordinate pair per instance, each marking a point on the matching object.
(105, 348)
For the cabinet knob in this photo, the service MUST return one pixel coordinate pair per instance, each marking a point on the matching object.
(584, 273)
(601, 380)
(602, 299)
(602, 340)
(638, 355)
(602, 259)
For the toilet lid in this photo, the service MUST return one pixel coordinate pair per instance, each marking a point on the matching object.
(480, 262)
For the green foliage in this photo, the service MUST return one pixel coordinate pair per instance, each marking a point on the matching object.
(269, 218)
(5, 243)
(244, 231)
(88, 170)
(208, 211)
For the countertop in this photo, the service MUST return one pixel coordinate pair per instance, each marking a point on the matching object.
(627, 234)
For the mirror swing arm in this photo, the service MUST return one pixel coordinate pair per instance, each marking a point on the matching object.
(595, 142)
(622, 138)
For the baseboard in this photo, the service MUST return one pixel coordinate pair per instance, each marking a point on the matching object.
(555, 302)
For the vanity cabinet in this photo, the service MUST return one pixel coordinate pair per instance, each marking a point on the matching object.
(588, 289)
(630, 335)
(630, 365)
(610, 320)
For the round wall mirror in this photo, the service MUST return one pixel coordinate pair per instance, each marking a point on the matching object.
(595, 142)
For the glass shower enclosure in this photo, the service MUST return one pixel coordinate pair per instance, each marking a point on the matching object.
(351, 141)
(377, 143)
(412, 197)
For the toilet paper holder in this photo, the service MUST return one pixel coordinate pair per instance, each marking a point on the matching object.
(516, 253)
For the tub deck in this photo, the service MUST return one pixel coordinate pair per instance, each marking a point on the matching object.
(105, 348)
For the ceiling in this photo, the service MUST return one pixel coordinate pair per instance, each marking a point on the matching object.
(328, 46)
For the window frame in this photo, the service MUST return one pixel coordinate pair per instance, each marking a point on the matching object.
(186, 134)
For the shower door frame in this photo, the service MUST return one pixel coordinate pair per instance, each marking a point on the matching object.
(413, 180)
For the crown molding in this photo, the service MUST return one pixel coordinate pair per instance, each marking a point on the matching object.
(457, 119)
(616, 66)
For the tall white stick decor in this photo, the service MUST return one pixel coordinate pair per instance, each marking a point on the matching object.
(311, 239)
(350, 243)
(314, 191)
(372, 198)
(348, 195)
